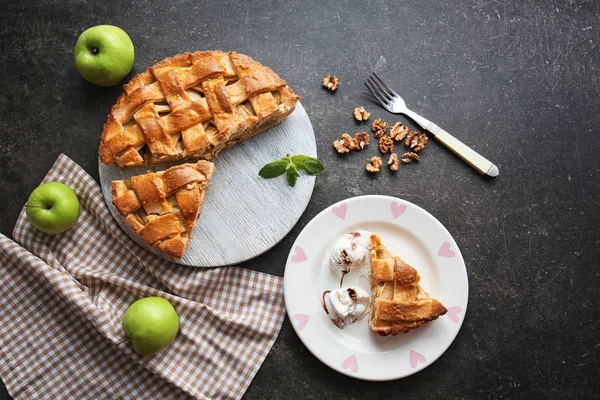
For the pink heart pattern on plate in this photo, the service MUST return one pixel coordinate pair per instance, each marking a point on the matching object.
(453, 314)
(445, 251)
(351, 363)
(299, 255)
(300, 320)
(416, 358)
(397, 209)
(340, 210)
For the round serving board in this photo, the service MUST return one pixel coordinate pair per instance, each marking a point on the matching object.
(244, 215)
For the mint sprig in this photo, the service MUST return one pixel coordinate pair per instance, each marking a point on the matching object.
(290, 165)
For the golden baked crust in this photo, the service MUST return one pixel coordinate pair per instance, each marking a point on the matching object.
(162, 207)
(398, 302)
(193, 105)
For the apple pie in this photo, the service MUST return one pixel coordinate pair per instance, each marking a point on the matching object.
(398, 302)
(162, 207)
(192, 106)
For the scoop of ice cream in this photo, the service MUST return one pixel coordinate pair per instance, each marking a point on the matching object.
(349, 252)
(345, 306)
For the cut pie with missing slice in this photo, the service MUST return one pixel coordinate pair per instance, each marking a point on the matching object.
(162, 207)
(191, 106)
(398, 302)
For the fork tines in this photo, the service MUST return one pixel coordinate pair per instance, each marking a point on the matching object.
(382, 92)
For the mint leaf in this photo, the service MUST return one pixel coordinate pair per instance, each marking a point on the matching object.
(310, 165)
(274, 169)
(290, 165)
(292, 175)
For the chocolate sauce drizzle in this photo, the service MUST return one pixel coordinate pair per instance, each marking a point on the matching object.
(323, 303)
(342, 279)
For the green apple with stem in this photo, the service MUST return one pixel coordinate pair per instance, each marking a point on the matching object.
(104, 55)
(151, 324)
(53, 207)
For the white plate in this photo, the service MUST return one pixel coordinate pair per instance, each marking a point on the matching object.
(410, 232)
(244, 215)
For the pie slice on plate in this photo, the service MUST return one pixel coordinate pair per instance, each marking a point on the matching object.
(162, 207)
(398, 302)
(191, 106)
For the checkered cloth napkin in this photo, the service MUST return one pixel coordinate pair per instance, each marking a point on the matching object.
(63, 297)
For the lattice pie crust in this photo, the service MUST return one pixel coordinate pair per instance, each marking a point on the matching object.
(398, 302)
(163, 207)
(191, 106)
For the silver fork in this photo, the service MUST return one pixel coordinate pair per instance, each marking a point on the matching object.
(392, 102)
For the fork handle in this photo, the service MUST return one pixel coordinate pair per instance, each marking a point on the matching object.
(470, 156)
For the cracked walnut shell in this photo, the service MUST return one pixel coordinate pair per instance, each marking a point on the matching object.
(331, 82)
(374, 165)
(379, 127)
(360, 114)
(394, 162)
(386, 144)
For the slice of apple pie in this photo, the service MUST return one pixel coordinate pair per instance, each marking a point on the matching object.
(191, 106)
(162, 207)
(398, 302)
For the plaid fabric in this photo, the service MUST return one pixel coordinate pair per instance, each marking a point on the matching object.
(63, 297)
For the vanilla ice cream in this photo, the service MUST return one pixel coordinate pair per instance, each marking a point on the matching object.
(350, 251)
(345, 306)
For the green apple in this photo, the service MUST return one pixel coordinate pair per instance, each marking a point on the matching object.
(151, 324)
(53, 207)
(104, 55)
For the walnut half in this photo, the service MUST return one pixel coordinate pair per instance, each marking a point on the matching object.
(398, 132)
(347, 143)
(331, 82)
(386, 144)
(421, 141)
(394, 162)
(361, 139)
(374, 165)
(379, 127)
(409, 138)
(410, 157)
(360, 114)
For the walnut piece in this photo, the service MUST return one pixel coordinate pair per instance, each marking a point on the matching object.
(410, 157)
(379, 127)
(376, 161)
(360, 114)
(347, 143)
(410, 137)
(361, 139)
(340, 147)
(398, 132)
(375, 165)
(393, 162)
(331, 82)
(420, 143)
(386, 144)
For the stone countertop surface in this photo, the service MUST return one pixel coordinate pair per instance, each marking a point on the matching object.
(517, 81)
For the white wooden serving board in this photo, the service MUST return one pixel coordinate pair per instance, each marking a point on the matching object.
(244, 215)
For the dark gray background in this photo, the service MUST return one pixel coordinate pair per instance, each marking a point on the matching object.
(518, 81)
